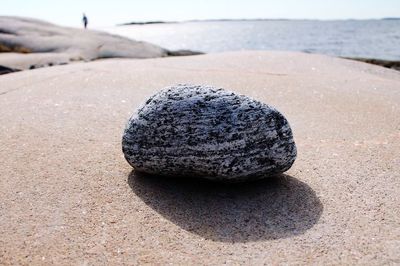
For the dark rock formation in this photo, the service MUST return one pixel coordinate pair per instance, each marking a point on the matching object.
(380, 62)
(6, 70)
(183, 53)
(202, 131)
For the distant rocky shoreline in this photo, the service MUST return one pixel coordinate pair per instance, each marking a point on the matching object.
(380, 62)
(145, 23)
(27, 43)
(224, 20)
(395, 65)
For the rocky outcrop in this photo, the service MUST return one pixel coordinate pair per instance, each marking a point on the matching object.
(27, 36)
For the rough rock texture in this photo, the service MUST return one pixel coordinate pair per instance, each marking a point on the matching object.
(202, 131)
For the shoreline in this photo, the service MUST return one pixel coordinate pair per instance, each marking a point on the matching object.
(391, 64)
(244, 19)
(7, 69)
(24, 45)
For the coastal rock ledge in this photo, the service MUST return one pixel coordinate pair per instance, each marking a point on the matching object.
(202, 131)
(27, 43)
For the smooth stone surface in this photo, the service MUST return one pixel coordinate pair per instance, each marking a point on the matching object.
(68, 196)
(203, 131)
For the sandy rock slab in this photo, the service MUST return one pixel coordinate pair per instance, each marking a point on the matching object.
(68, 196)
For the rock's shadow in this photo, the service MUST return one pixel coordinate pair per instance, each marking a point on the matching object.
(273, 208)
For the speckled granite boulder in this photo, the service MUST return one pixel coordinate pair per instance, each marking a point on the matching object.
(202, 131)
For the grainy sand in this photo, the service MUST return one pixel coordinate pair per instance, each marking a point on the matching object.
(68, 197)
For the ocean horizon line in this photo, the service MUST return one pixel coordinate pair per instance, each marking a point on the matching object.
(148, 22)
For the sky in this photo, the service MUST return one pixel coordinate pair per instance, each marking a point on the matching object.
(102, 13)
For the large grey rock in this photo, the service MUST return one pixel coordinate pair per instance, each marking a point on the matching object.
(202, 131)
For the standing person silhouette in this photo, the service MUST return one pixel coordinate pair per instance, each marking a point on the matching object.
(85, 20)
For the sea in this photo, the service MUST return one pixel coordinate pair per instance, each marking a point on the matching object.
(379, 39)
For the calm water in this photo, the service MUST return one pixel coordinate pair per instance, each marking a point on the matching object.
(368, 38)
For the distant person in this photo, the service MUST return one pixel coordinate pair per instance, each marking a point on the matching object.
(85, 20)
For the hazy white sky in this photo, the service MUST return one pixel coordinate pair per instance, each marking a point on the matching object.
(107, 13)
